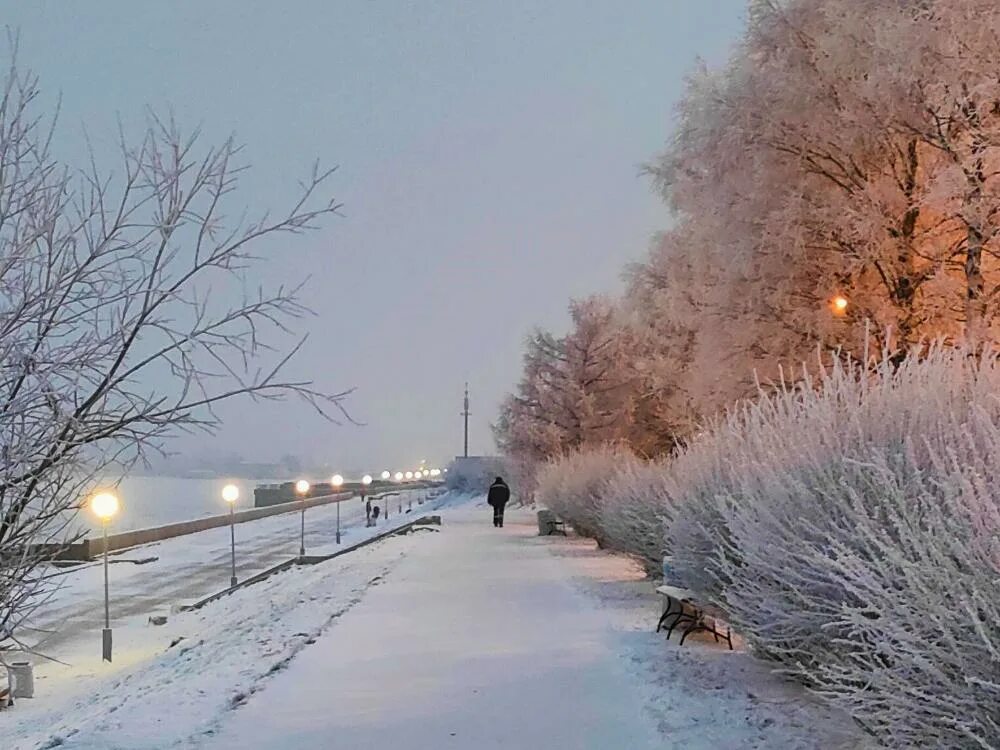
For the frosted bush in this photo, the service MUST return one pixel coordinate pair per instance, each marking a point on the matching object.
(850, 528)
(858, 544)
(699, 488)
(634, 511)
(574, 487)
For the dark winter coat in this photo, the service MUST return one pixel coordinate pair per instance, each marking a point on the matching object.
(499, 494)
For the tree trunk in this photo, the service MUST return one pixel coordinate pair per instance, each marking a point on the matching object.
(975, 302)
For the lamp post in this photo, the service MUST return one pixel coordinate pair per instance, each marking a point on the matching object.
(105, 505)
(231, 493)
(385, 476)
(366, 481)
(336, 481)
(302, 487)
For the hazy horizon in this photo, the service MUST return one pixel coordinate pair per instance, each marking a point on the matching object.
(488, 160)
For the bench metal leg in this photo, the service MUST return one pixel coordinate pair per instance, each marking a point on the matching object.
(668, 612)
(683, 617)
(692, 628)
(701, 626)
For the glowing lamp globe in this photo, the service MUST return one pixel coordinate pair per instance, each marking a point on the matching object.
(302, 486)
(840, 305)
(230, 493)
(366, 479)
(399, 476)
(385, 475)
(409, 475)
(104, 505)
(337, 480)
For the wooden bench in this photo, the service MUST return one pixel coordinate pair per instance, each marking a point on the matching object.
(680, 609)
(549, 523)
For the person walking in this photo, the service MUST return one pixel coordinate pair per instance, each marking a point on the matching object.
(368, 512)
(497, 497)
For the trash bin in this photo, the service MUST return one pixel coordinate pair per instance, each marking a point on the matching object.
(668, 569)
(21, 679)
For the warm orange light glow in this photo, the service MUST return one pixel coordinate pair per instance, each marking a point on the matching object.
(840, 305)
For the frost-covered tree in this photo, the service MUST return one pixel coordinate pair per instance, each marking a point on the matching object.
(576, 389)
(111, 339)
(658, 311)
(848, 149)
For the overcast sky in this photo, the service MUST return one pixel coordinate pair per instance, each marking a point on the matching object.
(488, 154)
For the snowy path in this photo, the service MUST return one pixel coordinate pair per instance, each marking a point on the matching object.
(478, 639)
(468, 637)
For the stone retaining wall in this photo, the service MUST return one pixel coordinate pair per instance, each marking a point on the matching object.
(90, 547)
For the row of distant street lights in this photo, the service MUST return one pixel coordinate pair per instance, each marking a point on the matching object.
(105, 505)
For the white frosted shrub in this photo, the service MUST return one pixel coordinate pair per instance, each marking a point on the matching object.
(849, 526)
(699, 487)
(860, 544)
(634, 512)
(574, 486)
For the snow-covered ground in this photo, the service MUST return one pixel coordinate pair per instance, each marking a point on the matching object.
(485, 638)
(187, 569)
(467, 637)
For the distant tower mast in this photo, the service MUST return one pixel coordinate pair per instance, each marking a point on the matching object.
(465, 414)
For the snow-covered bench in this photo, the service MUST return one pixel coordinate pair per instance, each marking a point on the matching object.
(680, 607)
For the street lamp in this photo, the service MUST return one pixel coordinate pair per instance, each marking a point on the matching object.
(231, 493)
(399, 476)
(105, 505)
(408, 475)
(385, 475)
(366, 480)
(336, 481)
(302, 487)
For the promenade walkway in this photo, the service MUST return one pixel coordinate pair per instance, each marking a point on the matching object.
(477, 639)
